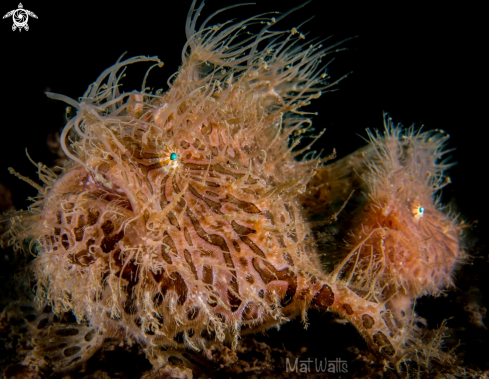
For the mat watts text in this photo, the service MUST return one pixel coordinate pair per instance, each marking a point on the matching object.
(316, 365)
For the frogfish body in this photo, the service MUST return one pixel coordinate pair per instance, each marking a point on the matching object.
(178, 219)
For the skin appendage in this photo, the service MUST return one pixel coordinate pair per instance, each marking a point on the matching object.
(402, 242)
(177, 221)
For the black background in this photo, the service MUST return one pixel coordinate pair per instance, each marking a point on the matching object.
(421, 64)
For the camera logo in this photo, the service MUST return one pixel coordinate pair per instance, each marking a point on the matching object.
(20, 17)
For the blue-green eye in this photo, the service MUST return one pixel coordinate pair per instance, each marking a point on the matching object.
(173, 156)
(421, 210)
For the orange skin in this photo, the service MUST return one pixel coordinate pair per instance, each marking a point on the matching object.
(402, 242)
(187, 251)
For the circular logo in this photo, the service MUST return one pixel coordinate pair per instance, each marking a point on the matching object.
(20, 18)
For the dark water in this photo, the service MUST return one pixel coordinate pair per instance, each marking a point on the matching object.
(420, 64)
